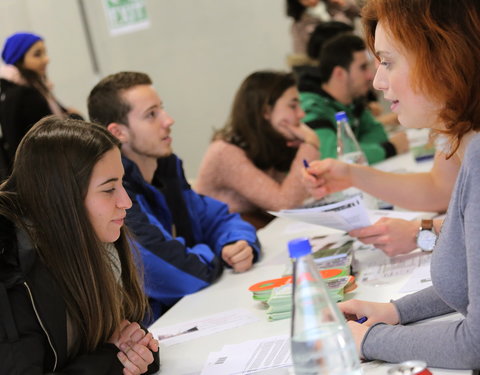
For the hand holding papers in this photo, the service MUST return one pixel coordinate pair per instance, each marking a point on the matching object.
(345, 215)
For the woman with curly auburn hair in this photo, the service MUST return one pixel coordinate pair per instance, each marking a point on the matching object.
(429, 52)
(435, 85)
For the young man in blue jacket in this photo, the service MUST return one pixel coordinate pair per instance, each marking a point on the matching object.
(185, 239)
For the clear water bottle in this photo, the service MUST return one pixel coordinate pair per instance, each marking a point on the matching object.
(348, 149)
(321, 342)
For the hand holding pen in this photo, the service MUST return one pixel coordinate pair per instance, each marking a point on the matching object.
(369, 313)
(362, 320)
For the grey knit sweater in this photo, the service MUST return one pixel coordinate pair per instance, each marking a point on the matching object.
(455, 273)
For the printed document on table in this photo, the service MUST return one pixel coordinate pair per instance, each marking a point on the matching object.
(420, 279)
(380, 268)
(345, 215)
(250, 357)
(205, 326)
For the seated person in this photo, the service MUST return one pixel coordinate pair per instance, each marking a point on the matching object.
(70, 292)
(427, 191)
(310, 73)
(185, 239)
(27, 94)
(424, 44)
(307, 14)
(255, 161)
(345, 78)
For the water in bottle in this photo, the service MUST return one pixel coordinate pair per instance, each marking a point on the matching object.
(321, 342)
(349, 151)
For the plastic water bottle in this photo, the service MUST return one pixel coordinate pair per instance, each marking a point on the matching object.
(321, 342)
(349, 151)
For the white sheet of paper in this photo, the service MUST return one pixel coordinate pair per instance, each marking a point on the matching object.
(298, 227)
(344, 215)
(205, 326)
(250, 357)
(419, 280)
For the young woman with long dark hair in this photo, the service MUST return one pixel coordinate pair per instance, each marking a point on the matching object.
(69, 286)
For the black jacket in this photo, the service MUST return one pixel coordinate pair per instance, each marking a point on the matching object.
(33, 333)
(20, 108)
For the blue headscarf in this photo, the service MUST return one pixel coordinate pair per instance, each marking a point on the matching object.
(17, 45)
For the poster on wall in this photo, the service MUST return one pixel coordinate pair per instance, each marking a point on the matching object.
(126, 16)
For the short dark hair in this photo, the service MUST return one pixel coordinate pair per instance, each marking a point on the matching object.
(339, 51)
(295, 9)
(324, 32)
(247, 126)
(105, 102)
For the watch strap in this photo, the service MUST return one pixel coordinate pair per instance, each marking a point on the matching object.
(427, 224)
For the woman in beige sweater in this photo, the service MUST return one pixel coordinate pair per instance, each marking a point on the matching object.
(254, 162)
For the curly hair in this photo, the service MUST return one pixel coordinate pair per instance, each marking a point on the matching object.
(444, 39)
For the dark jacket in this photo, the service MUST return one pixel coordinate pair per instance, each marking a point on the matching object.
(180, 234)
(33, 333)
(20, 108)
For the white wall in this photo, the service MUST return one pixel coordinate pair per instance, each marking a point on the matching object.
(196, 51)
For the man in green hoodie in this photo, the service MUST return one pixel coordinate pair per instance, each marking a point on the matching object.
(342, 83)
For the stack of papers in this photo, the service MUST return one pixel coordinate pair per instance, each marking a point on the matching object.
(330, 251)
(345, 215)
(333, 257)
(280, 301)
(264, 289)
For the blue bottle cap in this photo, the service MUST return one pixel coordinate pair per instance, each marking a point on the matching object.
(299, 247)
(339, 116)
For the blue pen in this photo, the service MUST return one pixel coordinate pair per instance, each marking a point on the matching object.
(362, 320)
(305, 163)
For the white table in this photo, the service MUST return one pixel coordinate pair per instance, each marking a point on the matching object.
(231, 292)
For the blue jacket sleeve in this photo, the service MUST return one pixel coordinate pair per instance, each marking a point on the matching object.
(216, 226)
(171, 269)
(213, 224)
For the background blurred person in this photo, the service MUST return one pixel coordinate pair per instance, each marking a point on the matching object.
(254, 162)
(25, 92)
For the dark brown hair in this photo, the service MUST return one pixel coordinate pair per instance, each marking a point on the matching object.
(33, 78)
(247, 126)
(45, 196)
(105, 102)
(339, 51)
(444, 39)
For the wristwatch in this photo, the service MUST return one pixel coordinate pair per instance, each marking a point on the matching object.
(426, 236)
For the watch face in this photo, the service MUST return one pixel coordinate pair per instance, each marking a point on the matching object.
(426, 240)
